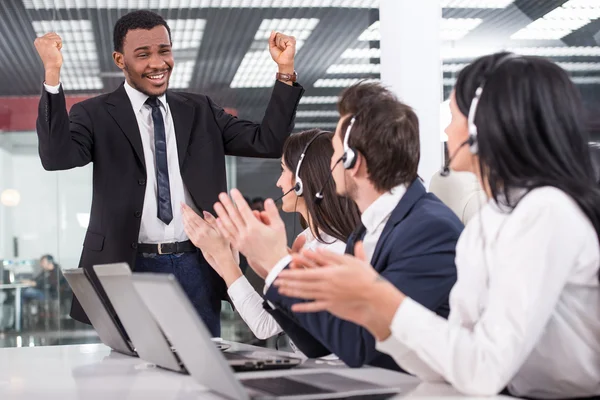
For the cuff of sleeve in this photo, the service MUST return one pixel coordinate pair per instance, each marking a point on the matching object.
(239, 289)
(389, 345)
(408, 321)
(52, 89)
(280, 266)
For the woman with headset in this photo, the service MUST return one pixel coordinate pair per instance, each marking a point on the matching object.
(304, 170)
(525, 311)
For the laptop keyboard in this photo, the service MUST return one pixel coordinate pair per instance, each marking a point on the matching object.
(283, 387)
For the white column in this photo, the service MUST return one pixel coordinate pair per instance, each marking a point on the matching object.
(411, 67)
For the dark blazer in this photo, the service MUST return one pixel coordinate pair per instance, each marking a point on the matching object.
(104, 130)
(415, 253)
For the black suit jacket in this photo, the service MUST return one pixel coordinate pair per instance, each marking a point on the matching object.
(104, 130)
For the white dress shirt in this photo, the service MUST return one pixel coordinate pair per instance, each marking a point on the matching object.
(377, 215)
(250, 304)
(525, 311)
(152, 229)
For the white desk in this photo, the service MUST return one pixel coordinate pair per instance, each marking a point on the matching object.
(93, 372)
(18, 300)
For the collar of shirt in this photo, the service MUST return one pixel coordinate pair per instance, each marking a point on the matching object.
(505, 199)
(138, 99)
(312, 241)
(381, 208)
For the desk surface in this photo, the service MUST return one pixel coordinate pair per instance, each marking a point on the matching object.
(94, 372)
(16, 285)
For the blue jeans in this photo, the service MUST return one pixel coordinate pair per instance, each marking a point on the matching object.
(199, 281)
(33, 293)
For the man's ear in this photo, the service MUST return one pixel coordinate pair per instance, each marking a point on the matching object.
(360, 167)
(118, 59)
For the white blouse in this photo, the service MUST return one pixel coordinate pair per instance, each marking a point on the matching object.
(525, 311)
(250, 304)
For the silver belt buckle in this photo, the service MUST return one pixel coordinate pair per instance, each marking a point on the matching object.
(160, 248)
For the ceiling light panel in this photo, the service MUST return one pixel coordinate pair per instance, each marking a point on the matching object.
(476, 3)
(318, 100)
(449, 81)
(561, 21)
(453, 68)
(340, 82)
(342, 69)
(457, 28)
(80, 70)
(579, 66)
(182, 74)
(586, 80)
(455, 53)
(300, 28)
(165, 4)
(361, 53)
(186, 33)
(257, 68)
(566, 51)
(578, 80)
(313, 125)
(371, 33)
(567, 66)
(451, 29)
(316, 113)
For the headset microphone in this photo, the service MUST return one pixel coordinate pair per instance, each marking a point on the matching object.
(446, 169)
(286, 193)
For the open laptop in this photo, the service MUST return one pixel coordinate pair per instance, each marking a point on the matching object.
(146, 335)
(178, 319)
(150, 343)
(99, 311)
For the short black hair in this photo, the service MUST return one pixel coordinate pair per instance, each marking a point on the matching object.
(140, 19)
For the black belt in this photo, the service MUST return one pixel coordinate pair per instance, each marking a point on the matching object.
(166, 248)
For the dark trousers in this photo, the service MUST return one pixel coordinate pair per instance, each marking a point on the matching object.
(200, 282)
(32, 293)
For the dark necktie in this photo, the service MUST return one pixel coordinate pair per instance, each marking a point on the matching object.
(163, 190)
(356, 236)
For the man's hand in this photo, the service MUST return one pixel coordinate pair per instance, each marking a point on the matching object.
(264, 244)
(344, 285)
(48, 48)
(283, 50)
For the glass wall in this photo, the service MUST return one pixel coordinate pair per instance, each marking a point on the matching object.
(44, 215)
(567, 32)
(43, 220)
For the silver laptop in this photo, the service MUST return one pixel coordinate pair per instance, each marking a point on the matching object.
(178, 319)
(100, 313)
(148, 340)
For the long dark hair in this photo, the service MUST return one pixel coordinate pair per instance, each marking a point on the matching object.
(335, 215)
(531, 130)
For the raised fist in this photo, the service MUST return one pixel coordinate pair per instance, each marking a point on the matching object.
(282, 49)
(48, 47)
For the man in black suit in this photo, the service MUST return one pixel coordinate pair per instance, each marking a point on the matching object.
(154, 149)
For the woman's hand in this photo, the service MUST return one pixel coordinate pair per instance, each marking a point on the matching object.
(214, 247)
